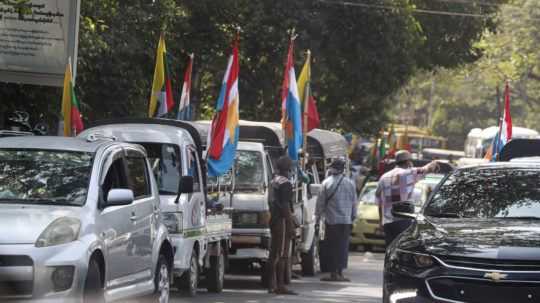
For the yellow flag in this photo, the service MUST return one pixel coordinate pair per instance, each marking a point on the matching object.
(303, 80)
(66, 101)
(159, 78)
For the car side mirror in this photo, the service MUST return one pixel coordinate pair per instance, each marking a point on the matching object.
(120, 196)
(403, 210)
(315, 189)
(186, 185)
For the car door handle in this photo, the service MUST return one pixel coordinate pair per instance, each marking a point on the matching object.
(133, 217)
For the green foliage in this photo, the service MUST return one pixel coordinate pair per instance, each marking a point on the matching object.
(361, 55)
(466, 98)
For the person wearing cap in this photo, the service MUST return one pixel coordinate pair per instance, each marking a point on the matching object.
(337, 203)
(282, 226)
(396, 186)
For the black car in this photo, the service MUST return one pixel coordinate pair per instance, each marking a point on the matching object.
(477, 239)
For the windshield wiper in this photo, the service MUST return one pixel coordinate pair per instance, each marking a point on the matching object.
(444, 215)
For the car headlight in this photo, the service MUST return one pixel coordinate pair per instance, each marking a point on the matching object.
(416, 260)
(173, 222)
(60, 231)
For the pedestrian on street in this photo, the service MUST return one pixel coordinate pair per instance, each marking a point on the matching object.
(396, 186)
(337, 203)
(281, 227)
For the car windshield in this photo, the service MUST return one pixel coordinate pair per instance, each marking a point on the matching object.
(249, 170)
(44, 176)
(368, 194)
(165, 162)
(488, 193)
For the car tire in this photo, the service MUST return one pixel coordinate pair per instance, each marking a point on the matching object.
(310, 260)
(162, 280)
(216, 273)
(189, 282)
(93, 286)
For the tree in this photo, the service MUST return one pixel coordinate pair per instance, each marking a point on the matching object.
(361, 54)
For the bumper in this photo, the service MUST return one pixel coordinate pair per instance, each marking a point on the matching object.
(364, 233)
(182, 248)
(253, 244)
(27, 272)
(447, 283)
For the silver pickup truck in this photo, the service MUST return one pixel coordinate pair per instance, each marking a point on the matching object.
(200, 233)
(80, 222)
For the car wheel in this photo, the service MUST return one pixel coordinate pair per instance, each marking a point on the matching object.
(162, 281)
(93, 286)
(189, 282)
(216, 274)
(310, 260)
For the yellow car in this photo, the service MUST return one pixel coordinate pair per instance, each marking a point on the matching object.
(366, 232)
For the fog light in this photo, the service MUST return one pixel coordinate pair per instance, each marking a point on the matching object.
(62, 277)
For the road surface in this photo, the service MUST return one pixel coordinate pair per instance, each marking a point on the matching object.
(365, 272)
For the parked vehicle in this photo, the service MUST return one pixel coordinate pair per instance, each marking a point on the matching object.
(479, 140)
(200, 231)
(81, 222)
(366, 231)
(261, 144)
(520, 148)
(476, 239)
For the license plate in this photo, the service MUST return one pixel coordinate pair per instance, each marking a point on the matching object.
(248, 219)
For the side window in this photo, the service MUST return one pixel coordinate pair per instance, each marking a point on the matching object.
(193, 169)
(115, 178)
(138, 177)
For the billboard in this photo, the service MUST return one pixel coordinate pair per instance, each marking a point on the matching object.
(36, 39)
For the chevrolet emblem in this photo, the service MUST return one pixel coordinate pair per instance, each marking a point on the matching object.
(495, 276)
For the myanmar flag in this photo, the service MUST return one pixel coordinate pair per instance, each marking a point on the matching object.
(161, 98)
(73, 123)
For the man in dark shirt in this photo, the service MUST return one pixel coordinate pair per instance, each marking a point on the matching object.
(281, 227)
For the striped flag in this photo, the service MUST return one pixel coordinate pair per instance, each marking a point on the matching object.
(184, 108)
(223, 136)
(504, 135)
(310, 118)
(291, 119)
(161, 98)
(73, 123)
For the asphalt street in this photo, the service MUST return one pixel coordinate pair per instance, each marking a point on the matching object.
(365, 272)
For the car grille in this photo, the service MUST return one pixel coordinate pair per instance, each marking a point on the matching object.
(16, 278)
(6, 260)
(490, 264)
(478, 291)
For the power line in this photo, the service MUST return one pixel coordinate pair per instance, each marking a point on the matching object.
(413, 10)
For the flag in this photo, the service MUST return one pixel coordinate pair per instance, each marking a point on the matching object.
(184, 108)
(504, 135)
(304, 94)
(382, 148)
(161, 98)
(392, 141)
(291, 118)
(73, 123)
(223, 136)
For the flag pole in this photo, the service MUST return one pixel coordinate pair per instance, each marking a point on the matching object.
(307, 91)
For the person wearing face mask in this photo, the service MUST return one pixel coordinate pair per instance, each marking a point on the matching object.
(396, 186)
(281, 227)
